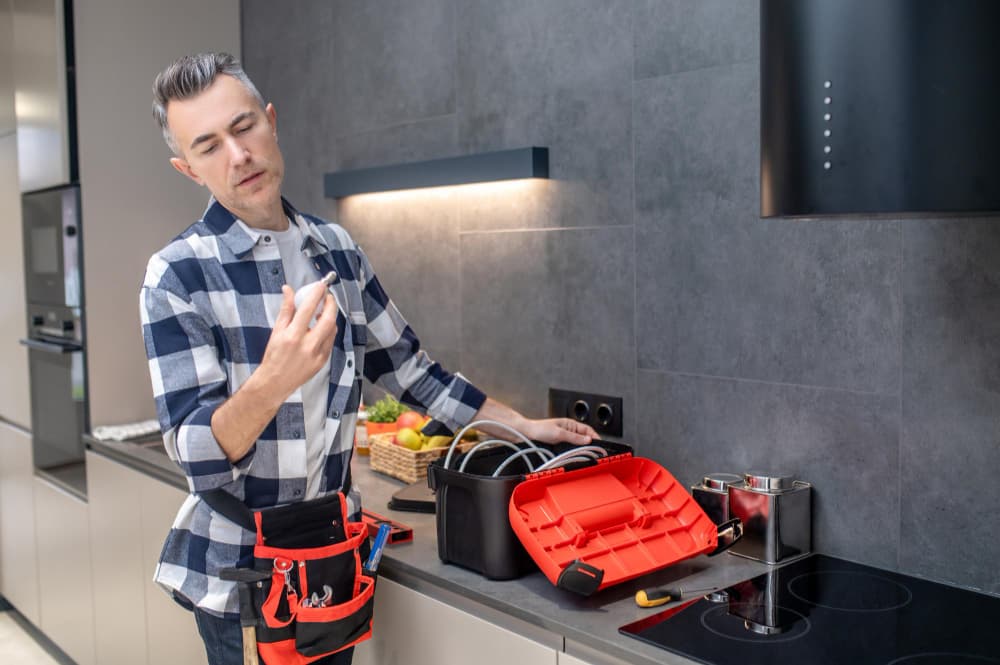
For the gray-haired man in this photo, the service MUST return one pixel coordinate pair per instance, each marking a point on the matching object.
(251, 396)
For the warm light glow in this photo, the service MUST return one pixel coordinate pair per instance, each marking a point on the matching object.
(508, 188)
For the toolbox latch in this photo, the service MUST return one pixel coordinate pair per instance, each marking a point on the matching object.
(614, 458)
(581, 578)
(547, 472)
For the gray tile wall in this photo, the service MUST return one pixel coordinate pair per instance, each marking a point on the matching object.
(862, 355)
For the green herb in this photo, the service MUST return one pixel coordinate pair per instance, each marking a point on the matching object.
(386, 410)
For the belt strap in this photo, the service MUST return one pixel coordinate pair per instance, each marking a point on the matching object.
(236, 511)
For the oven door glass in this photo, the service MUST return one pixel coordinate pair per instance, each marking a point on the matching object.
(57, 404)
(51, 246)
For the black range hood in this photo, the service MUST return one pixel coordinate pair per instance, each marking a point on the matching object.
(880, 107)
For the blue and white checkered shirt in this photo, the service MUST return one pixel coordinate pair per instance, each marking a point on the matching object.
(208, 302)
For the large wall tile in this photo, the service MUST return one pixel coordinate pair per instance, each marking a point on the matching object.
(723, 293)
(416, 141)
(950, 449)
(845, 443)
(283, 24)
(412, 240)
(549, 308)
(555, 74)
(291, 81)
(391, 62)
(680, 35)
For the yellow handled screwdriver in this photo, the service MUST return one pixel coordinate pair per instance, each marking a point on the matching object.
(662, 596)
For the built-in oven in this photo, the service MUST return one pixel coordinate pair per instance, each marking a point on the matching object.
(55, 332)
(51, 219)
(58, 386)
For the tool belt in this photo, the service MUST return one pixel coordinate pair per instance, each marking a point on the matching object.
(317, 599)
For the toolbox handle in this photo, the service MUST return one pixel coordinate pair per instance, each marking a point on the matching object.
(581, 578)
(729, 533)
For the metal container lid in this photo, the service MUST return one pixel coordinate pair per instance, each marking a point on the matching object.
(720, 481)
(768, 482)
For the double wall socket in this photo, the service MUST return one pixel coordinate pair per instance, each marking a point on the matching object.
(601, 412)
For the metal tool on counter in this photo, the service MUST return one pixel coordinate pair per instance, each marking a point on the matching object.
(664, 595)
(775, 511)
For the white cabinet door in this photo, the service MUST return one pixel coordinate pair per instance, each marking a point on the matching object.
(566, 659)
(15, 404)
(18, 552)
(64, 577)
(119, 570)
(171, 634)
(414, 629)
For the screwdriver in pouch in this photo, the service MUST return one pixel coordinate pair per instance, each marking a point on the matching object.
(663, 595)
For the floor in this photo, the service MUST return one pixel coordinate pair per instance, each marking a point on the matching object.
(18, 646)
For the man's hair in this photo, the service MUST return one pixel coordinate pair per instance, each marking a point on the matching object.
(188, 77)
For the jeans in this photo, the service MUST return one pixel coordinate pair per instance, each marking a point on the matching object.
(224, 642)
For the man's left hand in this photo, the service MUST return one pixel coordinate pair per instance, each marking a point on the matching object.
(559, 430)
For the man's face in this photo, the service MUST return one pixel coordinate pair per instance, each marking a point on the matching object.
(229, 144)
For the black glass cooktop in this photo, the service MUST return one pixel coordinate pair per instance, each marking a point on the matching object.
(822, 610)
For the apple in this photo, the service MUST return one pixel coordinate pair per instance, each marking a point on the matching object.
(410, 419)
(408, 437)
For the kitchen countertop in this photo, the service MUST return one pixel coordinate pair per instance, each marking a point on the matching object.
(588, 625)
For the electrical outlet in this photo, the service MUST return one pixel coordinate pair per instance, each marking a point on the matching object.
(601, 412)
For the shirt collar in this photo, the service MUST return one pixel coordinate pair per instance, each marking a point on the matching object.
(240, 238)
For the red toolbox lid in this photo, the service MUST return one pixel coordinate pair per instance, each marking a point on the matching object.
(621, 518)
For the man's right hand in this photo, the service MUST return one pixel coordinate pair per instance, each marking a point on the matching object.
(294, 353)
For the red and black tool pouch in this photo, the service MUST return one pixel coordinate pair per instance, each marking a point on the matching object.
(308, 548)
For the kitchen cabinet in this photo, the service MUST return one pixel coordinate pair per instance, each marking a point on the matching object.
(14, 402)
(135, 620)
(118, 566)
(18, 552)
(414, 629)
(566, 659)
(7, 120)
(64, 577)
(171, 634)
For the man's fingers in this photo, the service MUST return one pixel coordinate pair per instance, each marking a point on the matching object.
(287, 307)
(326, 324)
(575, 432)
(307, 306)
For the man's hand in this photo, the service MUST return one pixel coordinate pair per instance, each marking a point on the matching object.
(556, 430)
(294, 353)
(546, 430)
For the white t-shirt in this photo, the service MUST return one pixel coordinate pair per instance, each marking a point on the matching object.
(299, 271)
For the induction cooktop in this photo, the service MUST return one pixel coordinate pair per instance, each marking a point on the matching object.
(821, 610)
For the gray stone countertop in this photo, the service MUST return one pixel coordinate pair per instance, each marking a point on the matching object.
(589, 626)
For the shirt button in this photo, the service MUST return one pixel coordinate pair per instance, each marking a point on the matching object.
(350, 363)
(316, 265)
(297, 492)
(295, 434)
(267, 238)
(336, 414)
(274, 271)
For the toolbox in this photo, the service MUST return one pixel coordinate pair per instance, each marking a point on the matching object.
(587, 525)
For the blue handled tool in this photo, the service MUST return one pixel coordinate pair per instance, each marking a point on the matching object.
(377, 546)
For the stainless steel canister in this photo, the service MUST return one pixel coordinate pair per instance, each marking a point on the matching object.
(776, 515)
(713, 495)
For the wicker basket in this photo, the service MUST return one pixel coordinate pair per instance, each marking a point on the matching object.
(403, 463)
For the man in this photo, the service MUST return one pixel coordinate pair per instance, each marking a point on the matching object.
(255, 396)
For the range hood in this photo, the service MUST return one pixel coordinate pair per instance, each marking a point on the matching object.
(880, 107)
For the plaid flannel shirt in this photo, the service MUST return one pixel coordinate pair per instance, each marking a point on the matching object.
(208, 302)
